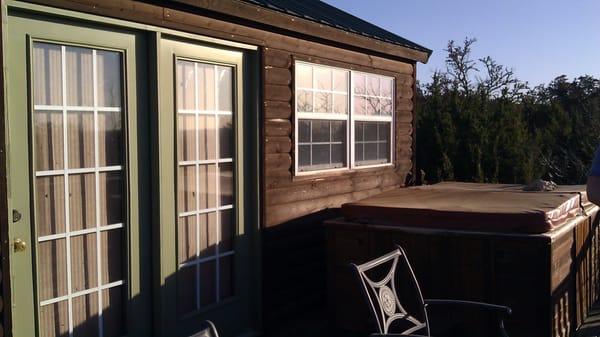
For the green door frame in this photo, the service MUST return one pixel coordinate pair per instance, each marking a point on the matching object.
(244, 303)
(23, 29)
(150, 265)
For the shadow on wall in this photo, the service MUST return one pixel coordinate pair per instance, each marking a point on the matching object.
(294, 276)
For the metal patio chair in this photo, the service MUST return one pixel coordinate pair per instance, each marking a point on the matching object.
(208, 330)
(385, 306)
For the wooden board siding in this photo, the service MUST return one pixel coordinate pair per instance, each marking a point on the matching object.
(556, 274)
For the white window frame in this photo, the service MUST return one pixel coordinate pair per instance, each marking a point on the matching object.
(350, 119)
(366, 118)
(320, 116)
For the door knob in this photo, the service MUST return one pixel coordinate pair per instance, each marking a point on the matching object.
(19, 245)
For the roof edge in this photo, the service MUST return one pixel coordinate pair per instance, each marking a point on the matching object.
(298, 25)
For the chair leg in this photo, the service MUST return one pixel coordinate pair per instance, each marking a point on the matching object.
(502, 329)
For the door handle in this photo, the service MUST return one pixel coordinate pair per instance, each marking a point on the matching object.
(19, 245)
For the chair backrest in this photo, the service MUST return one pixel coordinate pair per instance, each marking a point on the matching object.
(208, 330)
(383, 299)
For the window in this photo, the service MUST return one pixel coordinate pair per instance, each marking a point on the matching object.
(205, 179)
(331, 109)
(322, 102)
(372, 119)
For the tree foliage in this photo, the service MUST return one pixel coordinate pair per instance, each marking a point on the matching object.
(477, 122)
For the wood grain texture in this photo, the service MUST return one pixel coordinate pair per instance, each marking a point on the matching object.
(278, 76)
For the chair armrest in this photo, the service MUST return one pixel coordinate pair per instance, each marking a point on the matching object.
(500, 308)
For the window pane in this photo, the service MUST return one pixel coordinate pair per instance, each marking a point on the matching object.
(208, 278)
(304, 131)
(226, 184)
(186, 290)
(79, 76)
(80, 139)
(85, 315)
(208, 234)
(338, 131)
(186, 137)
(340, 104)
(304, 155)
(186, 238)
(384, 152)
(384, 131)
(185, 85)
(227, 234)
(340, 80)
(111, 198)
(323, 102)
(109, 78)
(225, 78)
(82, 201)
(84, 266)
(373, 86)
(359, 129)
(358, 152)
(386, 106)
(323, 78)
(48, 134)
(50, 205)
(303, 76)
(207, 137)
(370, 151)
(360, 105)
(225, 137)
(206, 86)
(320, 155)
(226, 277)
(338, 155)
(112, 312)
(372, 106)
(54, 319)
(52, 269)
(111, 250)
(110, 138)
(304, 101)
(186, 189)
(208, 186)
(320, 131)
(47, 74)
(359, 84)
(370, 131)
(386, 87)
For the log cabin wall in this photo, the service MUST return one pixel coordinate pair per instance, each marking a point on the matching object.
(293, 208)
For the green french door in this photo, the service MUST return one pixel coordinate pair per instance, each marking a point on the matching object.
(207, 261)
(76, 186)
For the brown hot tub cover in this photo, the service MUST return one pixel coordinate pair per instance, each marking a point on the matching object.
(470, 206)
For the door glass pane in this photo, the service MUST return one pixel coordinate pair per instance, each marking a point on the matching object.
(205, 180)
(79, 189)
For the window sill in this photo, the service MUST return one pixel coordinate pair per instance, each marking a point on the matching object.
(316, 176)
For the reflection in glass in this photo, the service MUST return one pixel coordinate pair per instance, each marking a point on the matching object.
(109, 78)
(48, 140)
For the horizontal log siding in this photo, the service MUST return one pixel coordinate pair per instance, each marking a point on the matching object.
(288, 197)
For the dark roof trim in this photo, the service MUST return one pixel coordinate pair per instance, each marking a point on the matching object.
(323, 13)
(295, 25)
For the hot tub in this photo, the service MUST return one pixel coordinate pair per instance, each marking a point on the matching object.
(536, 252)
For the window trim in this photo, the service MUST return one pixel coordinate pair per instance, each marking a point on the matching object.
(369, 118)
(349, 117)
(320, 116)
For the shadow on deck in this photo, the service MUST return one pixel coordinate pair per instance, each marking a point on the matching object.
(591, 325)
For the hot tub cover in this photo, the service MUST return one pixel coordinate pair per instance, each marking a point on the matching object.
(470, 206)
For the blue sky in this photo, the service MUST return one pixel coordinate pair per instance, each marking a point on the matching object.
(539, 39)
